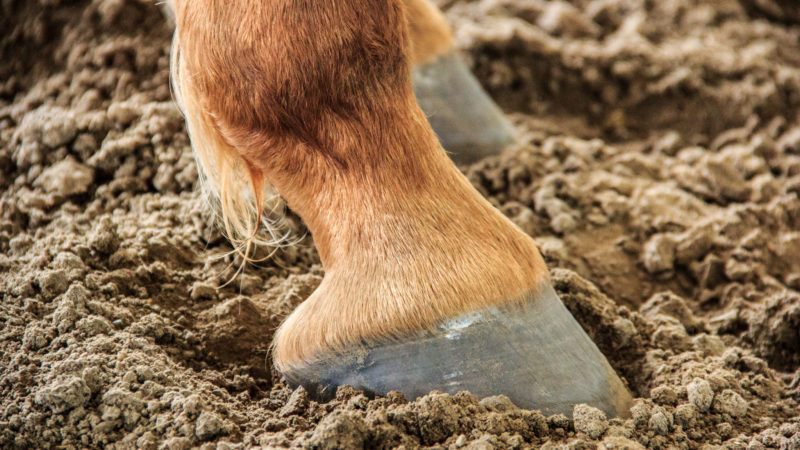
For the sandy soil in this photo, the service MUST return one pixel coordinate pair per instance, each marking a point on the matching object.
(660, 173)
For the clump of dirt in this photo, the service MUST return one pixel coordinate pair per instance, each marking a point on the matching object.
(659, 170)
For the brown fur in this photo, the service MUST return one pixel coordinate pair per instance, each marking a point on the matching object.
(315, 98)
(429, 33)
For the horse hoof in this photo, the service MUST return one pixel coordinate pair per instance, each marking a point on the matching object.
(535, 353)
(469, 124)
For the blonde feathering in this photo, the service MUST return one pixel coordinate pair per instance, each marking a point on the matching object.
(248, 208)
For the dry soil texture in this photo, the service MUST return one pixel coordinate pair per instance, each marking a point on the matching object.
(659, 170)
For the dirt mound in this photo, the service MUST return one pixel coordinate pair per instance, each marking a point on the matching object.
(659, 171)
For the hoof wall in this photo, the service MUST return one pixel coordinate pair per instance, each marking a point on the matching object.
(536, 354)
(469, 124)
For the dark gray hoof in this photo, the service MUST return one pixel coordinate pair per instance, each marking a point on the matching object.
(469, 124)
(537, 355)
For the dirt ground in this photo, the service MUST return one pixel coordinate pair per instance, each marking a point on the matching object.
(659, 171)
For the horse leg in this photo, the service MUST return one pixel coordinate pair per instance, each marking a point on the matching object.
(470, 126)
(426, 286)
